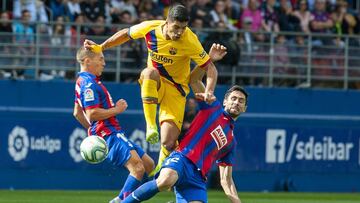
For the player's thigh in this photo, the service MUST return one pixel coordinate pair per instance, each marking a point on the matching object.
(148, 163)
(196, 202)
(172, 105)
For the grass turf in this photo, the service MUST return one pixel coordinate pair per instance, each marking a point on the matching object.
(67, 196)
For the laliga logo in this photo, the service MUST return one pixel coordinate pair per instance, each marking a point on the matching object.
(18, 143)
(75, 140)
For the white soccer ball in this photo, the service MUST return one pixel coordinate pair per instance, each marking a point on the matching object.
(94, 149)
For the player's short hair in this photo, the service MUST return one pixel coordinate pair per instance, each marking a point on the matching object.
(82, 53)
(179, 13)
(237, 88)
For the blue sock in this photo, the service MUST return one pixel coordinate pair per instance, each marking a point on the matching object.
(144, 192)
(130, 185)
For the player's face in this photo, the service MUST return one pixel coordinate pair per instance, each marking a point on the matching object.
(175, 29)
(97, 63)
(235, 104)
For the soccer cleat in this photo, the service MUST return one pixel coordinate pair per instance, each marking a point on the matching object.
(116, 200)
(152, 135)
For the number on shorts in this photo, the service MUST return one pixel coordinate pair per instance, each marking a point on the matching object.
(168, 161)
(122, 136)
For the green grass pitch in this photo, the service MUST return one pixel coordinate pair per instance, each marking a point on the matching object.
(68, 196)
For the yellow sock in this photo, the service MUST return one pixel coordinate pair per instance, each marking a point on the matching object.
(149, 95)
(163, 154)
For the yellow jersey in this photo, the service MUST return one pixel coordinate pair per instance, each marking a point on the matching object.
(171, 58)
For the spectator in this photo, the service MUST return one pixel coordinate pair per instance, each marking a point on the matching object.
(6, 38)
(60, 41)
(99, 28)
(143, 16)
(92, 9)
(320, 22)
(271, 17)
(344, 21)
(281, 60)
(218, 15)
(72, 9)
(36, 9)
(232, 10)
(149, 7)
(127, 5)
(201, 9)
(198, 25)
(304, 15)
(251, 20)
(287, 22)
(57, 8)
(24, 38)
(78, 30)
(320, 18)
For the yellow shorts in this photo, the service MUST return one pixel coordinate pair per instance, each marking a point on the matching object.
(171, 103)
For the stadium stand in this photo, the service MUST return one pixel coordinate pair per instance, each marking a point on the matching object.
(286, 43)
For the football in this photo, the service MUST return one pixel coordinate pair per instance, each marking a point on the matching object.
(94, 149)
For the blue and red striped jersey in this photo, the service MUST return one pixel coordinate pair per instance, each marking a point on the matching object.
(91, 93)
(210, 138)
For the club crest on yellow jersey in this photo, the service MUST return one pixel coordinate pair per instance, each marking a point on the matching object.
(172, 50)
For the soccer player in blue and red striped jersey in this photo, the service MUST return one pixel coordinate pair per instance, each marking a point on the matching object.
(95, 110)
(209, 139)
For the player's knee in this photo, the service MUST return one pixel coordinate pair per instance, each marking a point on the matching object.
(150, 73)
(169, 144)
(165, 182)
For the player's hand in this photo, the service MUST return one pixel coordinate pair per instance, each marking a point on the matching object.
(208, 97)
(90, 45)
(121, 105)
(217, 52)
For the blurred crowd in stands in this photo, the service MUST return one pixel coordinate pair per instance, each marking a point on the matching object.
(252, 17)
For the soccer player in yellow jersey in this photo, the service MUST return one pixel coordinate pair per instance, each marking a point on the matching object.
(171, 46)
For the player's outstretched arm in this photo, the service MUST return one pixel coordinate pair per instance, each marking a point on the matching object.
(216, 53)
(97, 114)
(117, 39)
(228, 184)
(79, 115)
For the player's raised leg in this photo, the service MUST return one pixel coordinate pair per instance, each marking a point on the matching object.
(166, 180)
(150, 83)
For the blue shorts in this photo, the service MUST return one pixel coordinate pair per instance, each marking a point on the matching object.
(119, 149)
(190, 186)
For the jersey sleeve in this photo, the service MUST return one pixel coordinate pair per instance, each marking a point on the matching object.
(197, 52)
(89, 97)
(228, 159)
(139, 30)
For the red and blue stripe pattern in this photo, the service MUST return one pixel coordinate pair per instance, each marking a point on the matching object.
(199, 145)
(101, 100)
(152, 44)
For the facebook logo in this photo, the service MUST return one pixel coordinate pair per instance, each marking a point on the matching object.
(275, 146)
